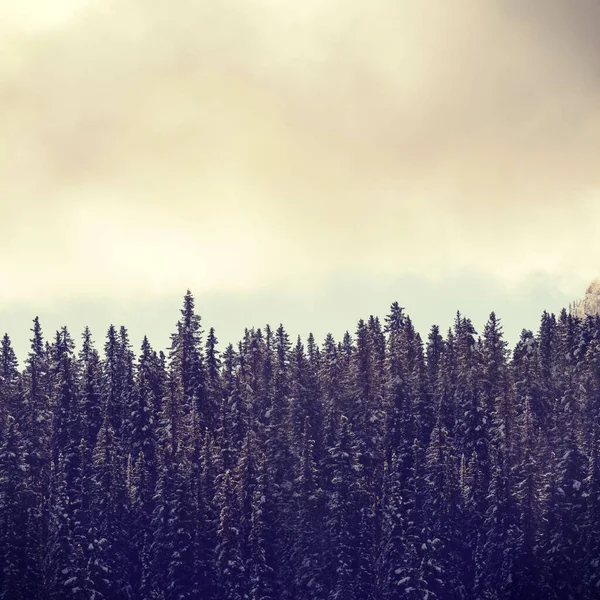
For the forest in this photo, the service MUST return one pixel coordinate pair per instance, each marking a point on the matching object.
(380, 466)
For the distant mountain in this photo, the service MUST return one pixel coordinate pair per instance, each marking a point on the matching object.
(590, 303)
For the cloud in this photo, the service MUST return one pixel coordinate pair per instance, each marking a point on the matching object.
(237, 145)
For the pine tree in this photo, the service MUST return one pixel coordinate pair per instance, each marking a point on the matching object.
(65, 569)
(154, 575)
(35, 418)
(261, 559)
(229, 559)
(233, 417)
(67, 425)
(143, 458)
(400, 426)
(112, 384)
(592, 525)
(9, 378)
(207, 520)
(91, 388)
(125, 361)
(180, 571)
(344, 514)
(497, 398)
(366, 415)
(213, 380)
(188, 376)
(396, 574)
(111, 521)
(246, 474)
(281, 459)
(373, 468)
(309, 543)
(495, 568)
(15, 499)
(441, 570)
(526, 583)
(565, 541)
(143, 415)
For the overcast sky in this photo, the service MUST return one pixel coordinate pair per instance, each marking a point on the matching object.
(306, 162)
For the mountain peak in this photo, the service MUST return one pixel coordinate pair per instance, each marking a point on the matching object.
(590, 303)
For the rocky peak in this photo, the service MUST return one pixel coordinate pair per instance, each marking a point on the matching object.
(590, 303)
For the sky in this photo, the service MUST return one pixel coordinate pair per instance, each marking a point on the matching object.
(298, 162)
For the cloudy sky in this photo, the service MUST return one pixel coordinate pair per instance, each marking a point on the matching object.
(306, 162)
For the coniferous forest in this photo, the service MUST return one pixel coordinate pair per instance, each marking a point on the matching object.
(380, 466)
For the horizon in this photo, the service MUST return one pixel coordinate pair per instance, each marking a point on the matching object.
(294, 315)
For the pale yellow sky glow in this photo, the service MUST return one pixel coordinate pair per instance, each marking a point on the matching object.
(148, 146)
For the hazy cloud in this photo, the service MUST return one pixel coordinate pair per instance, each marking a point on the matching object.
(233, 145)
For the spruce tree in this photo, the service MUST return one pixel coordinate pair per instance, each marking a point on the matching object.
(15, 500)
(230, 564)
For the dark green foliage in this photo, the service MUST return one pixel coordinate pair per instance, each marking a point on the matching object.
(376, 468)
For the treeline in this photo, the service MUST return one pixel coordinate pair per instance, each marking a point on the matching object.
(378, 467)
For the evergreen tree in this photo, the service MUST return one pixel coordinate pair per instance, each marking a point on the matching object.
(110, 519)
(260, 562)
(526, 583)
(35, 423)
(14, 502)
(112, 384)
(374, 468)
(309, 543)
(188, 377)
(442, 544)
(65, 570)
(207, 521)
(180, 571)
(213, 380)
(591, 564)
(565, 540)
(344, 514)
(229, 558)
(125, 361)
(91, 389)
(9, 379)
(397, 568)
(233, 417)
